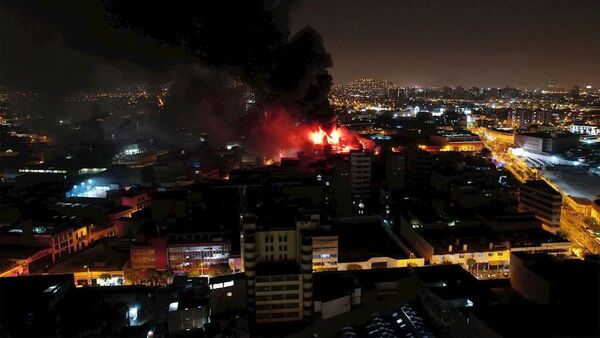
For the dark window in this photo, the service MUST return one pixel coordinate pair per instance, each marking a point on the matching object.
(291, 296)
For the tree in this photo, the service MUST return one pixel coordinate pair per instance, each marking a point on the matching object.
(105, 276)
(471, 263)
(221, 269)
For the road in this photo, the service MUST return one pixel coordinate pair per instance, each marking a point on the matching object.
(573, 225)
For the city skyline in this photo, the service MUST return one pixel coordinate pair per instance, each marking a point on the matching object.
(299, 169)
(459, 43)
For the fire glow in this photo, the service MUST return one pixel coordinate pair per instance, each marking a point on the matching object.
(288, 136)
(341, 140)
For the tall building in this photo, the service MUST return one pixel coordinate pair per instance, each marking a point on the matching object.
(342, 193)
(542, 200)
(325, 252)
(360, 172)
(395, 170)
(351, 182)
(523, 119)
(278, 256)
(418, 168)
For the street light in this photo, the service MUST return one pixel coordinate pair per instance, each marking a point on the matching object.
(89, 275)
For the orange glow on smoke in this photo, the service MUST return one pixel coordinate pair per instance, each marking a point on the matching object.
(341, 140)
(279, 134)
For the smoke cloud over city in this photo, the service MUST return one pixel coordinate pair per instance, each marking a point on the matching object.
(60, 49)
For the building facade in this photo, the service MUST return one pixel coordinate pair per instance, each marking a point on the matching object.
(542, 200)
(278, 262)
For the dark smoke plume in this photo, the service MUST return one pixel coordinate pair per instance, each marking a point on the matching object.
(203, 50)
(199, 44)
(248, 39)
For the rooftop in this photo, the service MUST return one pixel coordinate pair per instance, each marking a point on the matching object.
(364, 240)
(543, 134)
(541, 185)
(101, 257)
(450, 282)
(477, 239)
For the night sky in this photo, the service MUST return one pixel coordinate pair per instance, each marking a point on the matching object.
(469, 43)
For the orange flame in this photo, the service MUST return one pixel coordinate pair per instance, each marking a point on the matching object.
(341, 140)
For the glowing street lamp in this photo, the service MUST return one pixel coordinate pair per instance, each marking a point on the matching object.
(89, 275)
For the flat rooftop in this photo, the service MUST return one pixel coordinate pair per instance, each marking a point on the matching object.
(560, 270)
(542, 134)
(477, 239)
(101, 257)
(541, 185)
(362, 241)
(334, 284)
(575, 184)
(450, 282)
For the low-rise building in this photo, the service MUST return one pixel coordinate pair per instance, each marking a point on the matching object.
(539, 198)
(364, 243)
(543, 142)
(457, 141)
(180, 255)
(584, 129)
(99, 265)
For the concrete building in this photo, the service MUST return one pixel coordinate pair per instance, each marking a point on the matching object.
(341, 187)
(545, 279)
(135, 199)
(360, 174)
(395, 170)
(100, 265)
(483, 252)
(351, 180)
(367, 243)
(523, 119)
(325, 252)
(505, 137)
(228, 293)
(542, 142)
(418, 168)
(542, 200)
(584, 129)
(180, 255)
(278, 256)
(463, 141)
(65, 235)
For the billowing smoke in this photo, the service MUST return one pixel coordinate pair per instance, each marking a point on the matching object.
(247, 39)
(200, 46)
